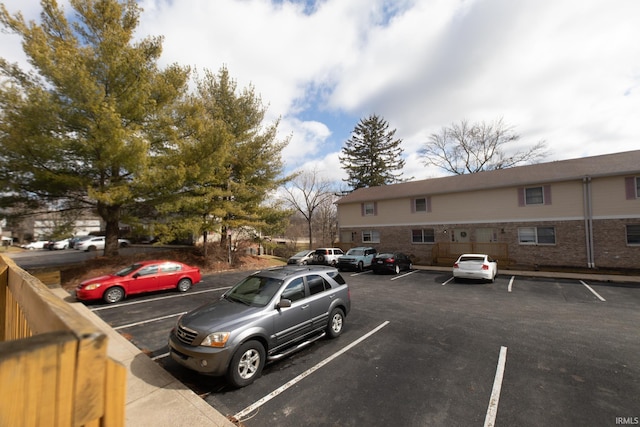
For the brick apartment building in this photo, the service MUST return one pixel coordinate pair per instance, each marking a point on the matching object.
(579, 213)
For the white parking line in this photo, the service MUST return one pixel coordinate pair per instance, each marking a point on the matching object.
(403, 275)
(160, 356)
(180, 295)
(492, 411)
(306, 373)
(511, 283)
(157, 319)
(447, 281)
(361, 272)
(594, 292)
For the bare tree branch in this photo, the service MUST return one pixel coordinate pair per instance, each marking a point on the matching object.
(470, 148)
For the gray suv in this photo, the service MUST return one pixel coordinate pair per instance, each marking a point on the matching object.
(267, 316)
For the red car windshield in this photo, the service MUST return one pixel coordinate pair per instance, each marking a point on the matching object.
(128, 270)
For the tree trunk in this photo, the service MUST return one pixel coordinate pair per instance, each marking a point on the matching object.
(111, 216)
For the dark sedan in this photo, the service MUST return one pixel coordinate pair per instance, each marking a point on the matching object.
(392, 262)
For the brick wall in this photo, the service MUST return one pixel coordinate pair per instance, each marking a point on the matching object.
(570, 249)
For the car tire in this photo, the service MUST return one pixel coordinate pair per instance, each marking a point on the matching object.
(91, 249)
(336, 323)
(360, 266)
(397, 269)
(320, 258)
(246, 364)
(410, 267)
(113, 295)
(184, 285)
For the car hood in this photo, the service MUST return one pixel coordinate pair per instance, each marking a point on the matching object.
(220, 315)
(101, 279)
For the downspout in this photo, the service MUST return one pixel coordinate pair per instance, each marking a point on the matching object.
(588, 220)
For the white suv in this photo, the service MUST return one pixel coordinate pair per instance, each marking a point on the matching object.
(326, 256)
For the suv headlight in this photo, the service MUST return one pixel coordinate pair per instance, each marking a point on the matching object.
(216, 339)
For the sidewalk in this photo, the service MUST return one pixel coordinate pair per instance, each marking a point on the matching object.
(154, 397)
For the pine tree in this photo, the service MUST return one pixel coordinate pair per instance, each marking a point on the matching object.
(86, 125)
(371, 156)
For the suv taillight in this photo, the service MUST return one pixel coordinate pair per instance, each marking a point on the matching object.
(485, 267)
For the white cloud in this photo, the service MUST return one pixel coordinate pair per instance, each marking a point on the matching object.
(564, 71)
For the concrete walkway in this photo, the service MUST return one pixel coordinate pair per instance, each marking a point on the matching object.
(154, 397)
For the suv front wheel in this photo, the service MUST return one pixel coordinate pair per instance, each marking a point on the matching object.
(246, 364)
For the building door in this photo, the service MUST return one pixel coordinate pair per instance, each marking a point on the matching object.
(486, 235)
(461, 235)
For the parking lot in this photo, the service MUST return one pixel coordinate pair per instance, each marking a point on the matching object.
(419, 349)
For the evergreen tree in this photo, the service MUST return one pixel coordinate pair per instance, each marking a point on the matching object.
(371, 156)
(89, 123)
(232, 159)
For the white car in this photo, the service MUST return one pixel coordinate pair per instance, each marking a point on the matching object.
(475, 266)
(97, 243)
(60, 244)
(36, 245)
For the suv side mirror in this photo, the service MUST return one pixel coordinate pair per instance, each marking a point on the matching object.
(284, 303)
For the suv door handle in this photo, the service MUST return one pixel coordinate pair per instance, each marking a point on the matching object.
(304, 307)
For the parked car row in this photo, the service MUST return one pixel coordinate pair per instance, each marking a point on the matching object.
(85, 243)
(356, 259)
(266, 316)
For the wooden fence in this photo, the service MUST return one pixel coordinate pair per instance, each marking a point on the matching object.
(54, 368)
(446, 253)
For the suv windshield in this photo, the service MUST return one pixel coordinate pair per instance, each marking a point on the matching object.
(355, 252)
(254, 290)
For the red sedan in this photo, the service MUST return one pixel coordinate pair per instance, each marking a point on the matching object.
(143, 276)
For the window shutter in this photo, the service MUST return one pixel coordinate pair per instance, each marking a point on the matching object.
(630, 187)
(547, 194)
(520, 196)
(428, 203)
(413, 205)
(375, 208)
(361, 209)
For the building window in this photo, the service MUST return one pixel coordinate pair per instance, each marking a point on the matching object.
(423, 236)
(540, 195)
(421, 204)
(534, 196)
(370, 237)
(632, 187)
(369, 209)
(633, 234)
(537, 235)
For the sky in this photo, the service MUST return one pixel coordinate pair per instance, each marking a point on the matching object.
(566, 72)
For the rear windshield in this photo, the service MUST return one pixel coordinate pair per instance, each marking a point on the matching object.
(337, 277)
(472, 258)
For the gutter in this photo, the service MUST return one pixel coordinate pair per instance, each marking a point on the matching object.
(588, 220)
